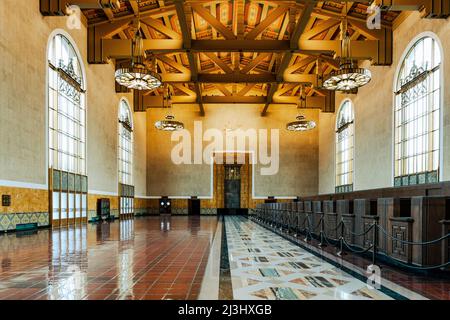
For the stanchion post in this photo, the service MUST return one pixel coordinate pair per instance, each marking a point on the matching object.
(322, 231)
(307, 228)
(341, 240)
(374, 240)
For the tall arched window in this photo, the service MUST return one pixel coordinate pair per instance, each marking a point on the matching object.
(125, 158)
(125, 144)
(417, 114)
(344, 147)
(67, 132)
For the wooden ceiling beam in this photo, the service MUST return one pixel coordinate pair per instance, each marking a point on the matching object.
(160, 27)
(273, 87)
(361, 49)
(302, 23)
(134, 6)
(255, 62)
(331, 32)
(234, 99)
(198, 90)
(223, 89)
(154, 13)
(219, 62)
(239, 18)
(246, 89)
(295, 90)
(325, 103)
(361, 27)
(57, 7)
(174, 64)
(96, 4)
(123, 36)
(122, 48)
(147, 101)
(293, 12)
(215, 23)
(96, 36)
(185, 25)
(326, 14)
(285, 88)
(109, 14)
(235, 78)
(175, 77)
(347, 7)
(321, 27)
(240, 45)
(263, 25)
(148, 32)
(293, 45)
(184, 89)
(298, 65)
(310, 79)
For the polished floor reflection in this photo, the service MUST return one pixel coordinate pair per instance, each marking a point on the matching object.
(145, 258)
(264, 266)
(179, 257)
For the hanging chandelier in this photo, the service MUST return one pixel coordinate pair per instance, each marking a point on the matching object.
(301, 123)
(169, 123)
(348, 77)
(138, 76)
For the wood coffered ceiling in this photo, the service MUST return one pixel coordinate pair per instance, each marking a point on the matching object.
(241, 51)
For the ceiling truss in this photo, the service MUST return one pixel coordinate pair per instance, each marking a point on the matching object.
(241, 51)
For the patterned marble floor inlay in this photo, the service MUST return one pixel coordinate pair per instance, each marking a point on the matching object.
(266, 266)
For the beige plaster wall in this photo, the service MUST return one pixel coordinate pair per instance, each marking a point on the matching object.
(24, 34)
(140, 153)
(298, 155)
(374, 116)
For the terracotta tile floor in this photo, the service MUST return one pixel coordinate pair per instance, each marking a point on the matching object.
(145, 258)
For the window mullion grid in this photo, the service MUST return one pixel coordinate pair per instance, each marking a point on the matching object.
(417, 131)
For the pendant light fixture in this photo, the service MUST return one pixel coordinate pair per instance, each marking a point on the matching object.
(169, 123)
(348, 77)
(138, 76)
(301, 123)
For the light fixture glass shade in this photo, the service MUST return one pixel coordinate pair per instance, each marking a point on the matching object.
(138, 77)
(347, 78)
(301, 124)
(169, 124)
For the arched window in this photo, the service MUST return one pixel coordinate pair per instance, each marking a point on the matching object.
(67, 111)
(125, 144)
(67, 132)
(417, 114)
(125, 159)
(344, 147)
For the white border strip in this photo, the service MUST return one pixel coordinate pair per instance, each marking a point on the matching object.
(209, 289)
(103, 193)
(19, 184)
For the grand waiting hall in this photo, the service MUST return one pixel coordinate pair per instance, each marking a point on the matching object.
(224, 150)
